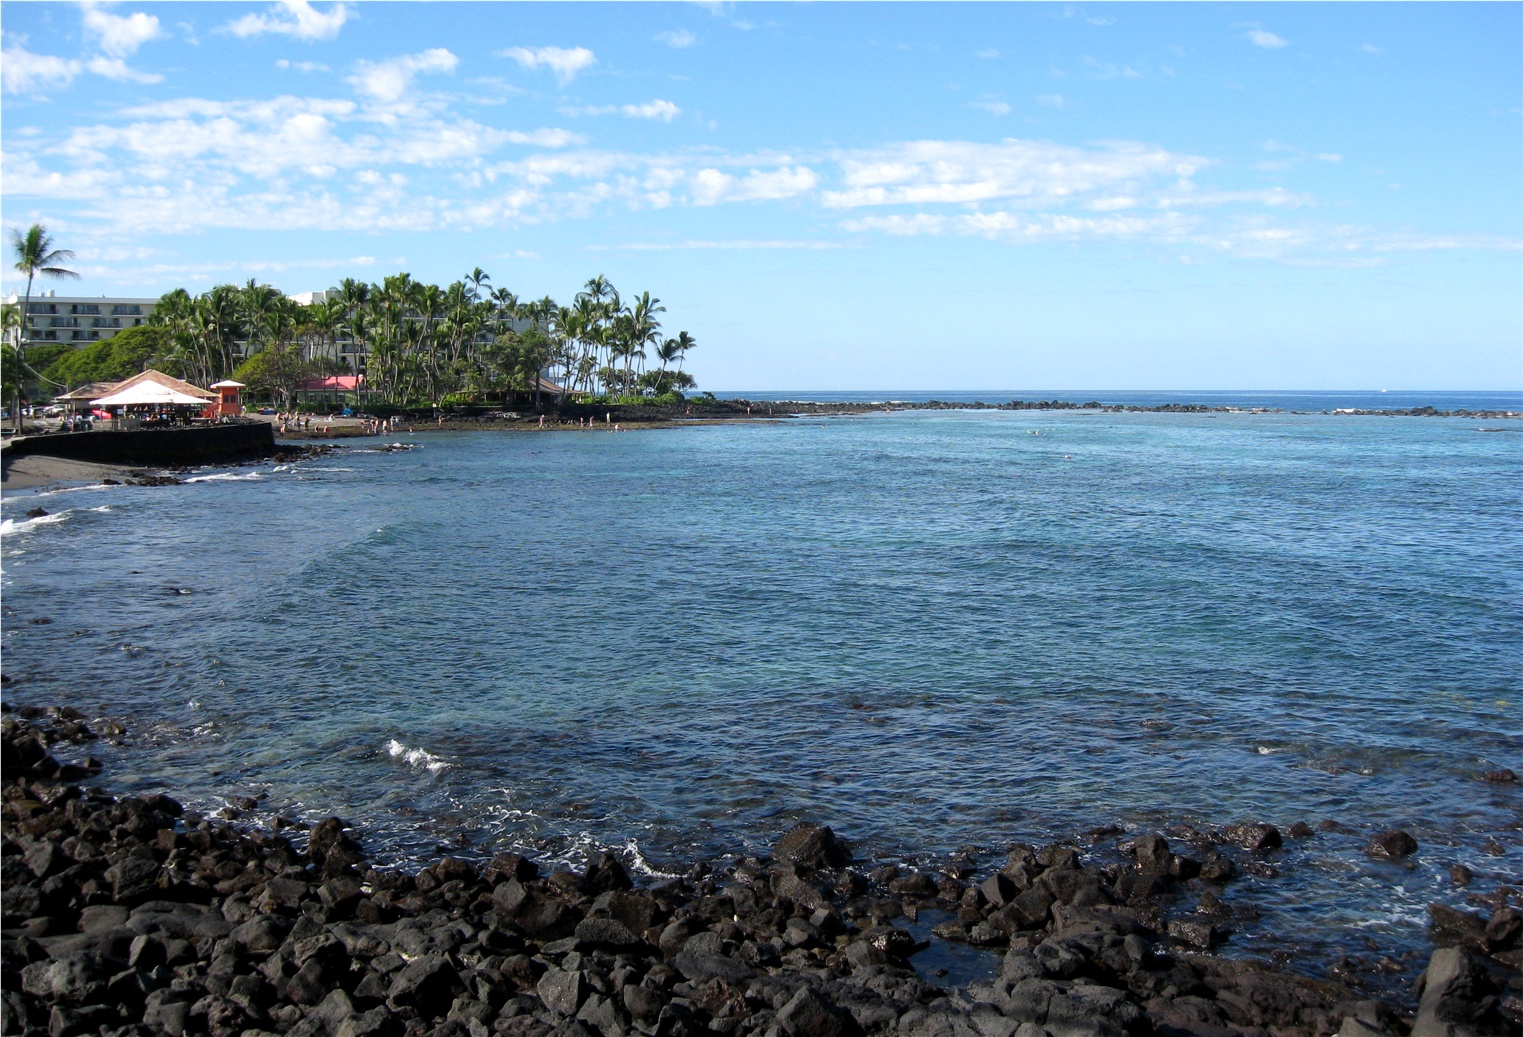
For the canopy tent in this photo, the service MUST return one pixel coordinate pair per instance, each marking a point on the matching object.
(150, 394)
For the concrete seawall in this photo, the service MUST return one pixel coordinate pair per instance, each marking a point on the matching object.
(178, 446)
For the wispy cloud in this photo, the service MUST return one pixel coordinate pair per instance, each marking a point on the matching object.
(1264, 38)
(116, 68)
(676, 38)
(665, 111)
(110, 39)
(988, 54)
(22, 72)
(388, 80)
(992, 107)
(1370, 48)
(700, 245)
(1037, 172)
(302, 66)
(712, 186)
(546, 138)
(296, 18)
(1050, 100)
(564, 62)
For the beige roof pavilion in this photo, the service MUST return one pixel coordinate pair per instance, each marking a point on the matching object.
(155, 388)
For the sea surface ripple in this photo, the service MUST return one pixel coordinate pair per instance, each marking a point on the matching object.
(931, 630)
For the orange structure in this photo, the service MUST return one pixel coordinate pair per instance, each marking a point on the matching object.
(227, 403)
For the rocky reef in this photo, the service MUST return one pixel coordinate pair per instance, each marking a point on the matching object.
(133, 916)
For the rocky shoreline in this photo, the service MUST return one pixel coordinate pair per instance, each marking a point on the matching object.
(133, 916)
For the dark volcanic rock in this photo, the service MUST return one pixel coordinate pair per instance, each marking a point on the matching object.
(1393, 845)
(1257, 837)
(812, 846)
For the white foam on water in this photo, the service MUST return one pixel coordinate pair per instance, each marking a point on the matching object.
(9, 527)
(72, 489)
(225, 477)
(103, 508)
(638, 863)
(420, 758)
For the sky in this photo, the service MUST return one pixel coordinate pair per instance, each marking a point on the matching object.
(825, 196)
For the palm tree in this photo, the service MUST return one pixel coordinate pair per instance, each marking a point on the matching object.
(35, 255)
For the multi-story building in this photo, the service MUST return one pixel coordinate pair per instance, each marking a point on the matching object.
(79, 319)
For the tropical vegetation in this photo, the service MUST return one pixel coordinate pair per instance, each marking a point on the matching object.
(420, 344)
(35, 253)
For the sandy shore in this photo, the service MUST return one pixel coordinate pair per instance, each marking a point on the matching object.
(37, 470)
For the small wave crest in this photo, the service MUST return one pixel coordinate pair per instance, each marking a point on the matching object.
(11, 526)
(638, 863)
(419, 758)
(225, 477)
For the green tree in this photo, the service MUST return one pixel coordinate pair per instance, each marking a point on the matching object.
(275, 371)
(35, 254)
(119, 357)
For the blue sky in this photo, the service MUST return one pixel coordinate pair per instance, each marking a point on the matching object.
(826, 196)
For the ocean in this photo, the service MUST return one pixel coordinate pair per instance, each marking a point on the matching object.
(936, 631)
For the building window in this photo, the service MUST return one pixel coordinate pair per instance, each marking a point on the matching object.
(126, 311)
(87, 308)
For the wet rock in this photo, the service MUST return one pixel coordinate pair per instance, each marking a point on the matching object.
(812, 846)
(1150, 850)
(607, 872)
(1504, 776)
(1258, 837)
(1449, 926)
(1393, 845)
(1197, 933)
(1504, 931)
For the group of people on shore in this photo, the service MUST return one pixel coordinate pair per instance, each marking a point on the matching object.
(380, 426)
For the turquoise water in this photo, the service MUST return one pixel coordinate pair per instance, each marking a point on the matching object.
(931, 630)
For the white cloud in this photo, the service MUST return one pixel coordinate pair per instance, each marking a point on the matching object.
(388, 80)
(565, 63)
(116, 68)
(987, 53)
(1018, 228)
(1264, 38)
(117, 36)
(663, 110)
(676, 38)
(1037, 172)
(658, 109)
(1327, 157)
(303, 66)
(546, 138)
(1050, 100)
(296, 18)
(1370, 48)
(992, 107)
(712, 186)
(700, 245)
(22, 72)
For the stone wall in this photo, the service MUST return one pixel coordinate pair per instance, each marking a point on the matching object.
(174, 446)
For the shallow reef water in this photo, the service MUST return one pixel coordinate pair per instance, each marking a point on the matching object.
(938, 632)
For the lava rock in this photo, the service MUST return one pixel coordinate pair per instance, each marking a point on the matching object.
(1393, 845)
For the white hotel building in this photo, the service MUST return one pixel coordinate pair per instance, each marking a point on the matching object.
(79, 319)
